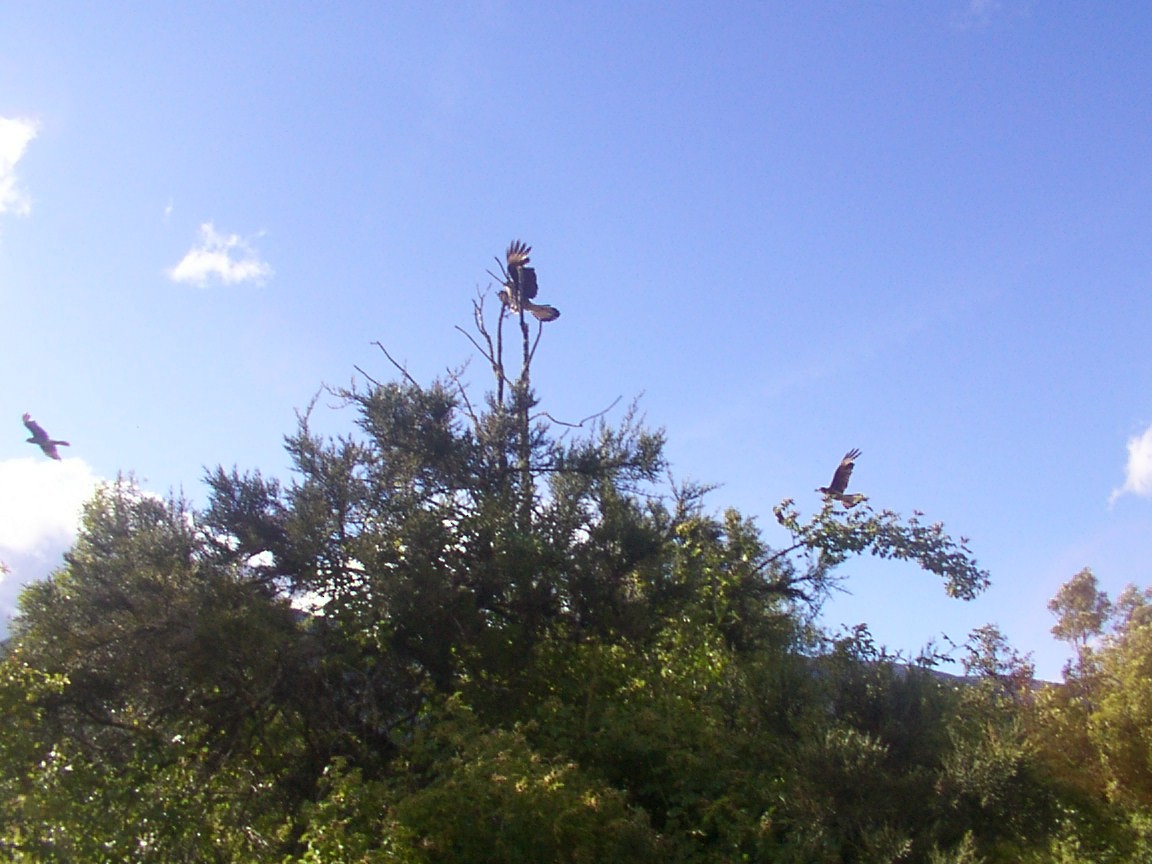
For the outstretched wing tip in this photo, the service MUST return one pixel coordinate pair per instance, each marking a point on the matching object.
(843, 473)
(517, 253)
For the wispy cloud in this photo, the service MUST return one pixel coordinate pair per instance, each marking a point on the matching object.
(15, 136)
(977, 14)
(226, 258)
(1138, 473)
(40, 505)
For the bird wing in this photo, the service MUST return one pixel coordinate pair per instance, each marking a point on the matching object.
(522, 276)
(39, 436)
(844, 471)
(526, 282)
(517, 253)
(521, 286)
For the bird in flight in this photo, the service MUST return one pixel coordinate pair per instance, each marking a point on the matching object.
(41, 438)
(838, 489)
(520, 287)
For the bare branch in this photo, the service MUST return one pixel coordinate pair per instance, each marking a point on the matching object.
(454, 375)
(403, 370)
(525, 351)
(498, 363)
(539, 333)
(366, 375)
(469, 410)
(487, 356)
(481, 327)
(582, 422)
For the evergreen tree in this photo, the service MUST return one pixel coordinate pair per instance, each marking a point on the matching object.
(517, 623)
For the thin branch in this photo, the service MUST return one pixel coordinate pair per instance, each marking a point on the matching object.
(469, 410)
(498, 367)
(526, 354)
(476, 345)
(366, 375)
(779, 554)
(454, 377)
(598, 414)
(498, 355)
(481, 327)
(403, 370)
(606, 465)
(539, 333)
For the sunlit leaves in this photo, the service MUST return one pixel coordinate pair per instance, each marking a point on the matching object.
(834, 535)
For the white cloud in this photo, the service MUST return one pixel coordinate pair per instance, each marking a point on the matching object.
(1138, 473)
(15, 135)
(226, 258)
(40, 506)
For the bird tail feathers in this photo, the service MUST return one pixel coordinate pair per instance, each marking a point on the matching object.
(542, 311)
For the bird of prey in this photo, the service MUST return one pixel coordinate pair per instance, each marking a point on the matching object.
(520, 288)
(41, 439)
(838, 489)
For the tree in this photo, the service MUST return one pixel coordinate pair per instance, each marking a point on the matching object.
(158, 698)
(1121, 722)
(829, 538)
(1091, 732)
(523, 639)
(1083, 610)
(992, 659)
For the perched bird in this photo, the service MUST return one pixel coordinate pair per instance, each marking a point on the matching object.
(840, 480)
(520, 289)
(40, 438)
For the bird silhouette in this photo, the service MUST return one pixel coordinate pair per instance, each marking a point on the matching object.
(520, 287)
(41, 438)
(837, 490)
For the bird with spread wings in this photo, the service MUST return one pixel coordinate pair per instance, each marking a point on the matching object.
(839, 486)
(42, 439)
(520, 286)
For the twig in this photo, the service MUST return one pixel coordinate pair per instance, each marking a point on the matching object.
(475, 344)
(779, 554)
(394, 362)
(366, 375)
(481, 328)
(582, 422)
(539, 333)
(498, 362)
(454, 377)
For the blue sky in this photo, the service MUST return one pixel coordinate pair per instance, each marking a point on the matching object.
(917, 228)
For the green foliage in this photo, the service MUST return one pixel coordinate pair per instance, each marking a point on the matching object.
(1121, 722)
(153, 706)
(351, 822)
(832, 537)
(1091, 732)
(528, 647)
(488, 795)
(469, 794)
(1083, 609)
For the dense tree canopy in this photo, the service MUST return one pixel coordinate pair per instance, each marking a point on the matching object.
(465, 631)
